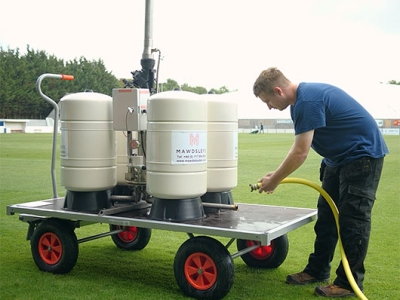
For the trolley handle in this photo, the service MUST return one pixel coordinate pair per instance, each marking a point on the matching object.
(56, 114)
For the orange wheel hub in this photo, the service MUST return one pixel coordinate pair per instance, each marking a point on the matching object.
(129, 234)
(262, 252)
(200, 271)
(50, 248)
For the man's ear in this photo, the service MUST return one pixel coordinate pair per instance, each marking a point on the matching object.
(278, 91)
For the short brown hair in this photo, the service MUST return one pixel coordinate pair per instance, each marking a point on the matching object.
(268, 79)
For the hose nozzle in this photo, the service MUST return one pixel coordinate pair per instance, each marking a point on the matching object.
(255, 186)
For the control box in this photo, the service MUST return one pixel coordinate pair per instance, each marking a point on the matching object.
(130, 109)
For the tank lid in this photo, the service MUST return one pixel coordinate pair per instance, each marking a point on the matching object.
(86, 96)
(175, 95)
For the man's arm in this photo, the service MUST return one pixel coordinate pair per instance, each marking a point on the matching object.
(294, 159)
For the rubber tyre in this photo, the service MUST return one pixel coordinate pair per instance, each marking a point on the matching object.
(204, 268)
(132, 238)
(54, 246)
(266, 257)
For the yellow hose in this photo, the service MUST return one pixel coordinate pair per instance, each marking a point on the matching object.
(335, 212)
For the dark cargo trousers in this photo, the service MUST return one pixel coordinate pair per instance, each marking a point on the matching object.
(353, 189)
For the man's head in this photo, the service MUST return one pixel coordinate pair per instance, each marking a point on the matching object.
(273, 88)
(268, 80)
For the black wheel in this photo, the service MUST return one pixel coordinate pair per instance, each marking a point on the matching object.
(271, 256)
(203, 268)
(54, 246)
(132, 238)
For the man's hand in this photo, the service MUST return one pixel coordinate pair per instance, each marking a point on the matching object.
(268, 185)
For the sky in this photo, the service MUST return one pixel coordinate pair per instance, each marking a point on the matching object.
(215, 43)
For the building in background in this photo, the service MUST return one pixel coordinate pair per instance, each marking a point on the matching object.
(382, 101)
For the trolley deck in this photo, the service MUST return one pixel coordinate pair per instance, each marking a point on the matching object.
(261, 223)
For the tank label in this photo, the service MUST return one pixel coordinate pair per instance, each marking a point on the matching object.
(235, 145)
(64, 145)
(188, 147)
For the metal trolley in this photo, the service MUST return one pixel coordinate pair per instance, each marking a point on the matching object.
(203, 266)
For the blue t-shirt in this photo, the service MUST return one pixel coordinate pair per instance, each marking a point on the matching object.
(343, 129)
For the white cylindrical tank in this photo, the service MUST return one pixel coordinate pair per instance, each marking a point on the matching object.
(88, 145)
(176, 145)
(222, 143)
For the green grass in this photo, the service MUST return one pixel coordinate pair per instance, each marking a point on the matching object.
(105, 272)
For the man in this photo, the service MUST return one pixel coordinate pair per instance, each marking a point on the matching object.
(339, 129)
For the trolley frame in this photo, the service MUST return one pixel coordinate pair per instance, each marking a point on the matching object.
(256, 222)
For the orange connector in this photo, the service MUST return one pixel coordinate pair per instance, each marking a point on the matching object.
(67, 77)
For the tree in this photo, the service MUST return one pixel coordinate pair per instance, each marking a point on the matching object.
(18, 75)
(19, 98)
(171, 84)
(198, 89)
(394, 82)
(8, 88)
